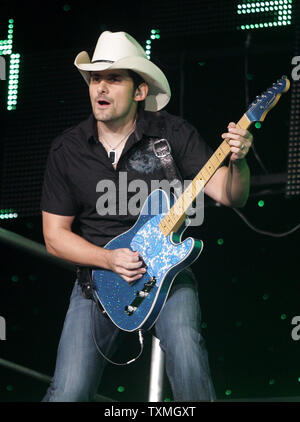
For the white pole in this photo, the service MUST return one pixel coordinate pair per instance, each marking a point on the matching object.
(156, 372)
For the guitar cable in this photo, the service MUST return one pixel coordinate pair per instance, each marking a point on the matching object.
(141, 340)
(264, 232)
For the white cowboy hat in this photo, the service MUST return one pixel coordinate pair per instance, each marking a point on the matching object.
(119, 50)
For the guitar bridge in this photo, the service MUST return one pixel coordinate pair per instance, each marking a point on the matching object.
(140, 296)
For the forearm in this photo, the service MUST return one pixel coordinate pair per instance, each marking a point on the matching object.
(67, 245)
(237, 183)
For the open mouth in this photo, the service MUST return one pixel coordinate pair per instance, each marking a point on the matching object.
(103, 103)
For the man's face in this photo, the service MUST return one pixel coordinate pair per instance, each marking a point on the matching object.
(112, 96)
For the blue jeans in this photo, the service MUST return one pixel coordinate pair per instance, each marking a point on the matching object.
(79, 366)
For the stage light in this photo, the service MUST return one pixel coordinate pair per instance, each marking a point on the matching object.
(276, 14)
(154, 34)
(13, 73)
(292, 188)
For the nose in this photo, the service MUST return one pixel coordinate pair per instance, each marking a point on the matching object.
(102, 86)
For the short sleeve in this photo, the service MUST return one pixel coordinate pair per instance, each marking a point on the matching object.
(57, 196)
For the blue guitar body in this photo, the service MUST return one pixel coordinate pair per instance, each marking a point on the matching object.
(137, 305)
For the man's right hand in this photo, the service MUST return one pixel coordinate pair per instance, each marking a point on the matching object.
(126, 263)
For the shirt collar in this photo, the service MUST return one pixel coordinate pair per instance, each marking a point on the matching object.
(145, 126)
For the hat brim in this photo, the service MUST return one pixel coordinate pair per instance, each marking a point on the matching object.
(159, 90)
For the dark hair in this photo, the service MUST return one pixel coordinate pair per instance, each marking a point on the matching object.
(137, 81)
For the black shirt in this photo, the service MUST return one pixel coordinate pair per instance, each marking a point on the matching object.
(81, 181)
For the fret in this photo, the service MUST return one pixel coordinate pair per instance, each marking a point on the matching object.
(220, 155)
(214, 160)
(205, 169)
(225, 146)
(202, 176)
(209, 168)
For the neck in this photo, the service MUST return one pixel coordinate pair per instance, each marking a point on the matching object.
(114, 130)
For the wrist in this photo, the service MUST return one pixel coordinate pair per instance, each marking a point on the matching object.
(104, 258)
(239, 163)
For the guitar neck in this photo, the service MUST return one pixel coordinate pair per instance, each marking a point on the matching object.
(173, 220)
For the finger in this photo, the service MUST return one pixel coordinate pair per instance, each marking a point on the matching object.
(131, 279)
(132, 265)
(237, 151)
(131, 256)
(234, 143)
(131, 273)
(231, 124)
(242, 132)
(231, 136)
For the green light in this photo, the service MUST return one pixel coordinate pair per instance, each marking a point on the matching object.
(298, 379)
(121, 389)
(9, 388)
(283, 316)
(266, 296)
(220, 241)
(280, 15)
(14, 278)
(167, 399)
(13, 73)
(228, 392)
(154, 35)
(271, 381)
(261, 203)
(257, 125)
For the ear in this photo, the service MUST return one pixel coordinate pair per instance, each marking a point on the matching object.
(141, 92)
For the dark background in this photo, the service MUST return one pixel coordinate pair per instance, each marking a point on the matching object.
(249, 284)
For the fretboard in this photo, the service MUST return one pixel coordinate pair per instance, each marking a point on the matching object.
(177, 214)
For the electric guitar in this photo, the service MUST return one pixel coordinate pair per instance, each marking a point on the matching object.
(157, 237)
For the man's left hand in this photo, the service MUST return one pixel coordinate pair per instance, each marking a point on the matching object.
(240, 141)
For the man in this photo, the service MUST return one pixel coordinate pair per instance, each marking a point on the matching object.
(126, 91)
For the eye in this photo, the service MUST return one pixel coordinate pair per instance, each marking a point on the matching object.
(115, 78)
(95, 78)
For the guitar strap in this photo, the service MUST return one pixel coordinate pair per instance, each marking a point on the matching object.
(162, 150)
